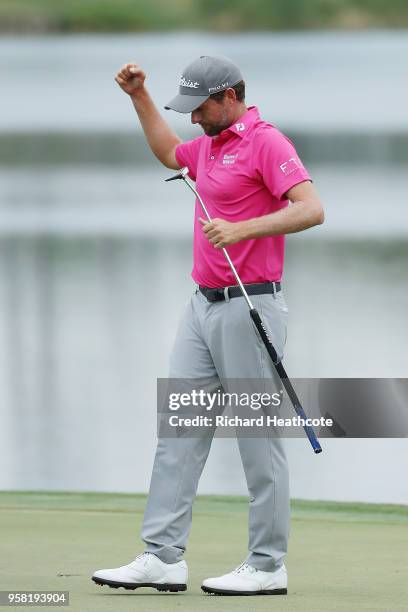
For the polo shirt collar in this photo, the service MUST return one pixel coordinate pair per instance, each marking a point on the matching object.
(241, 126)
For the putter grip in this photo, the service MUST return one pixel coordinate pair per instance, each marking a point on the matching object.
(285, 379)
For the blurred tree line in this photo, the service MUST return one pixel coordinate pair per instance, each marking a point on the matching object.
(216, 15)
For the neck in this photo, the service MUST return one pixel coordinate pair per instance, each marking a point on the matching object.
(240, 110)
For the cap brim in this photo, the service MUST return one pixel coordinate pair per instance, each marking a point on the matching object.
(185, 104)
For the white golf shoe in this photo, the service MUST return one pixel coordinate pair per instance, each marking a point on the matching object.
(146, 570)
(247, 580)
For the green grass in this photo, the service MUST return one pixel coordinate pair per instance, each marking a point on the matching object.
(349, 557)
(217, 15)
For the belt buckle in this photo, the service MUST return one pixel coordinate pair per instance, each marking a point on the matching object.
(226, 294)
(212, 295)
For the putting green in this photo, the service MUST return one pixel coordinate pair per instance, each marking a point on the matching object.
(349, 557)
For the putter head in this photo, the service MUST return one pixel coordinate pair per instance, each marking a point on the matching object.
(180, 175)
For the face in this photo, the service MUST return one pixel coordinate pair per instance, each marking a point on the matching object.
(213, 116)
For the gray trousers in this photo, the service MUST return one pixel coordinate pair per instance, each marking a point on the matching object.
(219, 340)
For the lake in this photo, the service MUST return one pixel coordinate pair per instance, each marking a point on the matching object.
(96, 251)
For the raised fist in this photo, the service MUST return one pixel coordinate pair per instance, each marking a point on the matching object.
(131, 78)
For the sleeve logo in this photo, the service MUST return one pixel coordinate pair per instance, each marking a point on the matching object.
(290, 166)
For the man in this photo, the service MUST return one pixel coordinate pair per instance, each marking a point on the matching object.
(246, 171)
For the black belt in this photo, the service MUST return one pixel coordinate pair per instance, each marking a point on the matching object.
(219, 294)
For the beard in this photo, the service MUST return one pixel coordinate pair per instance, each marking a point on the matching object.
(215, 129)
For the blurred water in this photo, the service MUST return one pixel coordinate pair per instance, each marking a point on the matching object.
(310, 80)
(362, 202)
(94, 274)
(95, 258)
(87, 324)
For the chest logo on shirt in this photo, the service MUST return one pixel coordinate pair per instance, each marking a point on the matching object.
(289, 166)
(229, 159)
(240, 127)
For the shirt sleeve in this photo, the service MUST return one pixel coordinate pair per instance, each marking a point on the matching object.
(277, 163)
(187, 155)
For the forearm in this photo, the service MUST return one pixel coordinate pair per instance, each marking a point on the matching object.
(159, 135)
(305, 211)
(296, 217)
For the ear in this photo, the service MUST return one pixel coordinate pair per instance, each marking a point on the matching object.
(230, 94)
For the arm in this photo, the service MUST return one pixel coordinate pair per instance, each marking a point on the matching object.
(305, 211)
(160, 137)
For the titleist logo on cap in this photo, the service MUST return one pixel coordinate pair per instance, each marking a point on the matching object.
(187, 83)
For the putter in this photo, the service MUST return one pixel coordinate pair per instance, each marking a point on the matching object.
(260, 327)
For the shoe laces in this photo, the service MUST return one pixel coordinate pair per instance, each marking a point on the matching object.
(139, 559)
(244, 567)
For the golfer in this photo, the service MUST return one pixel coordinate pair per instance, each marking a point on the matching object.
(256, 190)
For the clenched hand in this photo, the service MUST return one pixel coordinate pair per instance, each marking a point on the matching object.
(221, 233)
(131, 78)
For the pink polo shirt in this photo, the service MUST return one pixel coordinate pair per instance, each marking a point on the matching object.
(240, 174)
